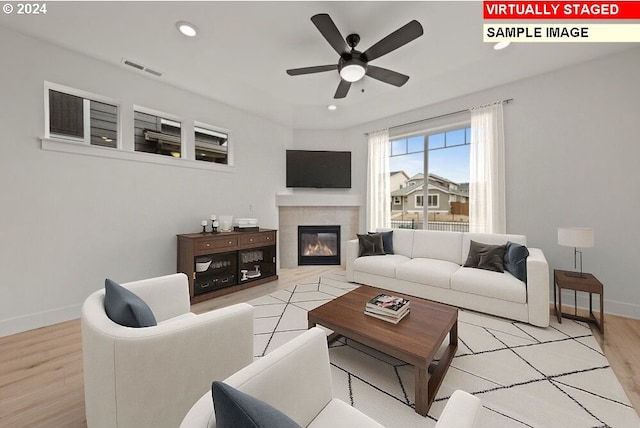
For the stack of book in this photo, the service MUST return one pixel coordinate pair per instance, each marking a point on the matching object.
(388, 308)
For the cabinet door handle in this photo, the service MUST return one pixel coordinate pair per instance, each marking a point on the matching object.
(208, 244)
(230, 242)
(250, 239)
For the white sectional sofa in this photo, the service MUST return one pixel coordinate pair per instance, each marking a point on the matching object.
(429, 264)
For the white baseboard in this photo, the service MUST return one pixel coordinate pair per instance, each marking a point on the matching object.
(15, 325)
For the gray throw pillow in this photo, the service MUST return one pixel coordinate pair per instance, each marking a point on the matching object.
(387, 240)
(485, 256)
(236, 409)
(515, 260)
(370, 245)
(125, 308)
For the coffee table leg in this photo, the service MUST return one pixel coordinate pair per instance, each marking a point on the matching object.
(427, 385)
(421, 375)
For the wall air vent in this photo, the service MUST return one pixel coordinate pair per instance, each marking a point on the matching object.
(141, 67)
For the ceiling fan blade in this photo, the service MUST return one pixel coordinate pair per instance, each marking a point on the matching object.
(309, 70)
(393, 41)
(387, 76)
(343, 89)
(328, 29)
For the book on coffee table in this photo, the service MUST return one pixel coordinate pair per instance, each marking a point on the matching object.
(388, 304)
(387, 307)
(392, 319)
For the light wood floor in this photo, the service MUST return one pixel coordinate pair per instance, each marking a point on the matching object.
(41, 370)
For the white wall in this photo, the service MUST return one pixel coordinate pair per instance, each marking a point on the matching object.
(572, 159)
(68, 221)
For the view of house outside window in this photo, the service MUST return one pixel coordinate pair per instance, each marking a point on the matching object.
(447, 184)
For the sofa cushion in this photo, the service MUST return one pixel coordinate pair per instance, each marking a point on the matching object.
(484, 256)
(387, 241)
(427, 271)
(439, 245)
(235, 409)
(124, 307)
(379, 265)
(515, 260)
(402, 241)
(370, 245)
(503, 286)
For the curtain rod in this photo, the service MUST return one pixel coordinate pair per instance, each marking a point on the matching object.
(442, 115)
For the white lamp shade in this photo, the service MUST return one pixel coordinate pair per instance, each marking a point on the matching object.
(580, 237)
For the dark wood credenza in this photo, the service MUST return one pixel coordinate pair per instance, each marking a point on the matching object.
(239, 260)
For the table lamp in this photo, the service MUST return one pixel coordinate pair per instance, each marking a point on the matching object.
(576, 237)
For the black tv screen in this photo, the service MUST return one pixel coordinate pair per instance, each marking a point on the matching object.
(319, 169)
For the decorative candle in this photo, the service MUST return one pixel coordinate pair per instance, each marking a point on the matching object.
(215, 224)
(213, 217)
(203, 223)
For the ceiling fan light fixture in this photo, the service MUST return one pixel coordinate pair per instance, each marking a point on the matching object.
(501, 45)
(352, 69)
(187, 28)
(332, 107)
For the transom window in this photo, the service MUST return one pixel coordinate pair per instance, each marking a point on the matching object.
(78, 118)
(211, 145)
(157, 134)
(84, 120)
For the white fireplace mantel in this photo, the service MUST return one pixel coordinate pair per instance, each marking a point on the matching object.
(313, 199)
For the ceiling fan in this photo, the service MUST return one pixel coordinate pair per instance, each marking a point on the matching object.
(353, 65)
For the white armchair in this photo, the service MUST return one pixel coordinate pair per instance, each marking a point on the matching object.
(296, 379)
(143, 377)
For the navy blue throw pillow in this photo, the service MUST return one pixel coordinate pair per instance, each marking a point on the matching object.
(125, 308)
(235, 409)
(387, 241)
(515, 260)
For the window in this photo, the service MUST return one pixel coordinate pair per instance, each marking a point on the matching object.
(444, 169)
(74, 117)
(77, 121)
(156, 134)
(397, 200)
(211, 145)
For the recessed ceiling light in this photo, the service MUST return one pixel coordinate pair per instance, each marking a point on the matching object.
(332, 107)
(501, 45)
(186, 28)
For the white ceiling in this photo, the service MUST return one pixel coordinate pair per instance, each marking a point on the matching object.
(243, 49)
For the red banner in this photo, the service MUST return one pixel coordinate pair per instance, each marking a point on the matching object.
(561, 10)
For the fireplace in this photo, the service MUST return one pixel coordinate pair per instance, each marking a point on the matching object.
(318, 245)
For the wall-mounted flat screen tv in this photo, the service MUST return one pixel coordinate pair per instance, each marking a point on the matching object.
(319, 169)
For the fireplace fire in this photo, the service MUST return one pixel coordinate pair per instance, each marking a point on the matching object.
(318, 245)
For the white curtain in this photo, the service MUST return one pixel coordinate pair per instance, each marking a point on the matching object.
(378, 189)
(487, 171)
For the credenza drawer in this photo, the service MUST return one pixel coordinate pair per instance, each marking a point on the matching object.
(258, 238)
(216, 243)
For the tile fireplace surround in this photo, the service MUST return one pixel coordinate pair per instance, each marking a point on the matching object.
(314, 210)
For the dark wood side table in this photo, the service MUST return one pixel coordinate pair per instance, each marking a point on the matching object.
(588, 284)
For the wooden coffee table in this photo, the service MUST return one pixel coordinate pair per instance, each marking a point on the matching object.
(415, 339)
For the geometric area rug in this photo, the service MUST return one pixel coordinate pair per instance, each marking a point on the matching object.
(526, 376)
